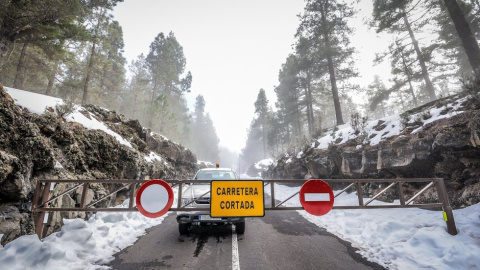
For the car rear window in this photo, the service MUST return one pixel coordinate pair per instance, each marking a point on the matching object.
(215, 175)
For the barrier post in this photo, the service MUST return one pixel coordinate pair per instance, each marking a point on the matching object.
(41, 215)
(447, 209)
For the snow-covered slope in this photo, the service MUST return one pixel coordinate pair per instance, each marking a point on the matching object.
(377, 130)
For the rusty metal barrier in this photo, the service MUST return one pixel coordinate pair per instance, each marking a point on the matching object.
(42, 200)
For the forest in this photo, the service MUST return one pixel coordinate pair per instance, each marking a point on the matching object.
(433, 53)
(74, 50)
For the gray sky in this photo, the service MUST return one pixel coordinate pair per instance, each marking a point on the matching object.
(233, 48)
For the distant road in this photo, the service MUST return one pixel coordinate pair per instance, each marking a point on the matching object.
(280, 240)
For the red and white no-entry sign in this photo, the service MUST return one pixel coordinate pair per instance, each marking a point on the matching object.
(154, 198)
(316, 197)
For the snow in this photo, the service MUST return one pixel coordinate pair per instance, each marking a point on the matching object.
(393, 126)
(400, 238)
(58, 165)
(435, 113)
(37, 103)
(152, 157)
(346, 132)
(93, 123)
(80, 244)
(245, 176)
(264, 163)
(206, 163)
(394, 238)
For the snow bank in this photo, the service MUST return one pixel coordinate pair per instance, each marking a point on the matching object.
(80, 244)
(400, 238)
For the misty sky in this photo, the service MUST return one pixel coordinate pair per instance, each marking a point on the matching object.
(233, 48)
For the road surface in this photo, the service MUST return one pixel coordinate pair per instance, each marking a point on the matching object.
(280, 240)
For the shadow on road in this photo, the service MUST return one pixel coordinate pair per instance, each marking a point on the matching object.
(201, 235)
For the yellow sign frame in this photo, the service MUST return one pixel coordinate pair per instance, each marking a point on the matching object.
(237, 198)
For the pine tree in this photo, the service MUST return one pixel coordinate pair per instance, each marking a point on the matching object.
(261, 109)
(324, 26)
(253, 150)
(393, 16)
(166, 63)
(465, 34)
(41, 21)
(138, 90)
(204, 140)
(288, 96)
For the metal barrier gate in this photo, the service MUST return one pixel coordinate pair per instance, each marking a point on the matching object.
(44, 188)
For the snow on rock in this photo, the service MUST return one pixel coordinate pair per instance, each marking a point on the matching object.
(37, 103)
(205, 163)
(384, 128)
(152, 157)
(92, 123)
(263, 164)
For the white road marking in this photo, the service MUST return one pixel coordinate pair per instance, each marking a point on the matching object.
(235, 257)
(317, 197)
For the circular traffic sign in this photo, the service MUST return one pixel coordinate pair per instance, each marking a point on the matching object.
(154, 198)
(316, 197)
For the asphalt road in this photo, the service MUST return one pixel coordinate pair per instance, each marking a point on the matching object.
(280, 240)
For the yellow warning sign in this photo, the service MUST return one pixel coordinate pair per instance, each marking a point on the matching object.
(237, 199)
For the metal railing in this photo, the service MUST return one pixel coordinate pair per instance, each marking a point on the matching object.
(42, 201)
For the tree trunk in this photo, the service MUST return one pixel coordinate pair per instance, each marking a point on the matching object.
(310, 104)
(51, 78)
(6, 49)
(297, 128)
(92, 56)
(333, 82)
(382, 109)
(104, 75)
(308, 96)
(421, 61)
(409, 78)
(134, 106)
(331, 70)
(87, 78)
(20, 74)
(264, 139)
(465, 34)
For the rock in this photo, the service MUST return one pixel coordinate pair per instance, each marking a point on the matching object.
(446, 148)
(320, 164)
(13, 223)
(31, 145)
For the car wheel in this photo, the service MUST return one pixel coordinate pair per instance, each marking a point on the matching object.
(183, 228)
(240, 227)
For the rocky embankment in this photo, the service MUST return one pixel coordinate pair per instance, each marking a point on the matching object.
(46, 146)
(439, 139)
